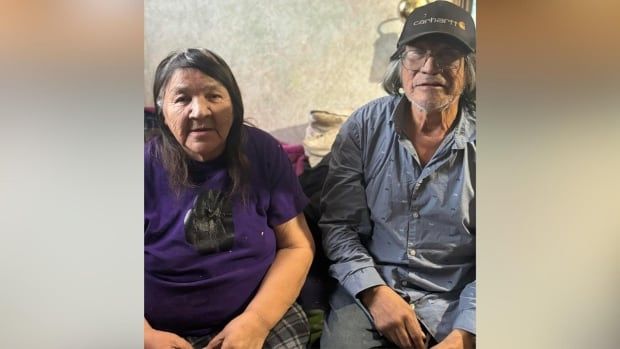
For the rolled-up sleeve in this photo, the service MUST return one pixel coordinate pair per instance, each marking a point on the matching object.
(466, 318)
(345, 221)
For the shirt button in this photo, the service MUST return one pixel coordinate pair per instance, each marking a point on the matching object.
(404, 282)
(416, 214)
(411, 252)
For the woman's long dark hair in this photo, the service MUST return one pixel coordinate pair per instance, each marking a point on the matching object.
(168, 150)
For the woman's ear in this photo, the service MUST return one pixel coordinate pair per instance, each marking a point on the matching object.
(160, 111)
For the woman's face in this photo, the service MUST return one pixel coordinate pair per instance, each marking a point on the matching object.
(199, 112)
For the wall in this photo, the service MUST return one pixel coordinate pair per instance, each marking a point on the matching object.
(289, 56)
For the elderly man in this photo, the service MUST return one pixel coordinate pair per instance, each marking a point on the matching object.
(398, 205)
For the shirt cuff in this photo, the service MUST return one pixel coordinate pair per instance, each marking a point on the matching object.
(362, 279)
(466, 321)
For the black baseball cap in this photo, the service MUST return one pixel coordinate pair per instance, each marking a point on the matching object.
(439, 17)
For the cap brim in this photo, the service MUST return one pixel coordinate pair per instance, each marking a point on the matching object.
(425, 33)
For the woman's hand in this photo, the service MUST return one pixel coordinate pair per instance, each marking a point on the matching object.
(247, 330)
(277, 292)
(154, 339)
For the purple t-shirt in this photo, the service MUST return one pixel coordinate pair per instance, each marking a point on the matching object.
(205, 253)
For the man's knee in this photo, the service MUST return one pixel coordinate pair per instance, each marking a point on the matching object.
(343, 328)
(347, 326)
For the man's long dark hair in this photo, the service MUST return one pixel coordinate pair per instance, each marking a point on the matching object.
(168, 150)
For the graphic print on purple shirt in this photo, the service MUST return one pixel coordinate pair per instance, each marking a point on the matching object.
(192, 294)
(208, 224)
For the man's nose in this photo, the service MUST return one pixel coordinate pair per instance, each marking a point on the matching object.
(199, 108)
(430, 65)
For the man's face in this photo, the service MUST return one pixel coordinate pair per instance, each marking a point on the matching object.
(433, 72)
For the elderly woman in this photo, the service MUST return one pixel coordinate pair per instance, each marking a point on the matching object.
(398, 205)
(226, 246)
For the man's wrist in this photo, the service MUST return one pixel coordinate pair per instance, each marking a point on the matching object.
(468, 338)
(368, 294)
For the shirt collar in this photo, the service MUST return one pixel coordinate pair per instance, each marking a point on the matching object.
(463, 132)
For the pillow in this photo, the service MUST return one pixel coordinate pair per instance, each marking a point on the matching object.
(321, 133)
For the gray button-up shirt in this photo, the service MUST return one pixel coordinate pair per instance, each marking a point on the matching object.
(388, 220)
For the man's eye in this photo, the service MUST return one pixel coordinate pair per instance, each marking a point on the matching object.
(418, 52)
(181, 99)
(450, 53)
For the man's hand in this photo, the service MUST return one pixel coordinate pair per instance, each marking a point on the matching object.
(247, 330)
(457, 339)
(154, 339)
(393, 317)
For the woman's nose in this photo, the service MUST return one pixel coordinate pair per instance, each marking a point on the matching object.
(200, 108)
